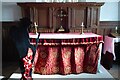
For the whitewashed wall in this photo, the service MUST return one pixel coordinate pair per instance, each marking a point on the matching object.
(12, 12)
(109, 12)
(0, 41)
(0, 10)
(18, 0)
(119, 11)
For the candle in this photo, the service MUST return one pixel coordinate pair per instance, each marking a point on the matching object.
(35, 24)
(116, 28)
(82, 24)
(82, 27)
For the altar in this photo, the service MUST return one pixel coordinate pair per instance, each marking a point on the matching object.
(67, 53)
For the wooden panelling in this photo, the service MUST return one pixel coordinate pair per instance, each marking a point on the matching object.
(9, 23)
(109, 23)
(107, 27)
(9, 52)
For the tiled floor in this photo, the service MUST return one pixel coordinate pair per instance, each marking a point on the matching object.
(10, 67)
(115, 70)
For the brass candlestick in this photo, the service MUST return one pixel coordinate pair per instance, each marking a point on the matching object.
(35, 24)
(82, 28)
(116, 28)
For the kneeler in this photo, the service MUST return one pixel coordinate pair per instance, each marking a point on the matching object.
(28, 61)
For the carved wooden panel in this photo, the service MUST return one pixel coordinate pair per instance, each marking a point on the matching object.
(95, 17)
(78, 15)
(43, 17)
(68, 15)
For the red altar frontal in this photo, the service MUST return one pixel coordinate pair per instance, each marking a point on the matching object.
(67, 53)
